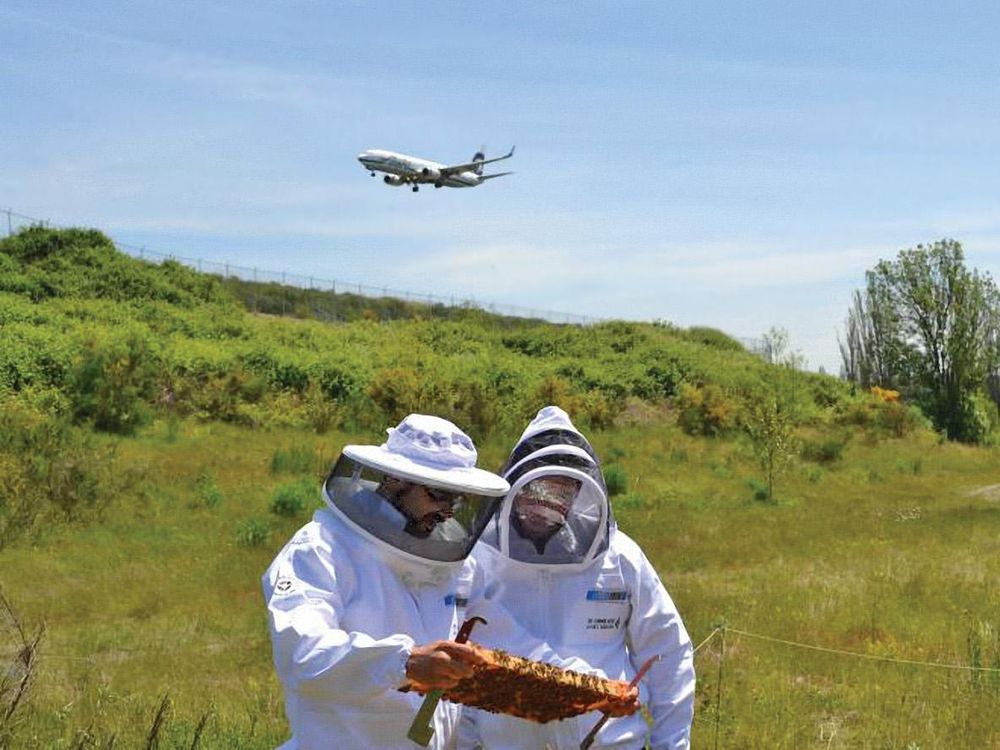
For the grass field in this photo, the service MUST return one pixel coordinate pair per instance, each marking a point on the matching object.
(892, 551)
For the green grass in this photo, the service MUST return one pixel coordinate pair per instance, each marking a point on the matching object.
(159, 598)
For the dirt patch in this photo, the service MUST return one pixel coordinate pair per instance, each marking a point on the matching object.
(989, 492)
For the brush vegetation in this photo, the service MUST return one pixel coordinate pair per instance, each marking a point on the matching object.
(159, 439)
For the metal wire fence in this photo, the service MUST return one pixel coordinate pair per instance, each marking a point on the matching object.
(275, 292)
(275, 302)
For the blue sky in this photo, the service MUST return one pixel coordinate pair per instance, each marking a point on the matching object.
(738, 165)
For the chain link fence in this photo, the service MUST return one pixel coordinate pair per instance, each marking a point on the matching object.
(283, 293)
(271, 300)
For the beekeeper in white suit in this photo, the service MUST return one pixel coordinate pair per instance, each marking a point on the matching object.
(366, 598)
(556, 561)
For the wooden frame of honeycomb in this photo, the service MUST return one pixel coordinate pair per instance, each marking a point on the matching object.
(512, 685)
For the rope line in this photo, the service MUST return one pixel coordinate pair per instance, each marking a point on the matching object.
(873, 657)
(707, 639)
(704, 642)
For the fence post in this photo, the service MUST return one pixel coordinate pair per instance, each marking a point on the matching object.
(718, 688)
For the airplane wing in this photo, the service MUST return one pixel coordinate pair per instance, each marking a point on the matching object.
(473, 164)
(491, 176)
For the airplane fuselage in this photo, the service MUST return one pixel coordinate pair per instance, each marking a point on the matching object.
(412, 170)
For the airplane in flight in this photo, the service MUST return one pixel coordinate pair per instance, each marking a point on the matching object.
(409, 170)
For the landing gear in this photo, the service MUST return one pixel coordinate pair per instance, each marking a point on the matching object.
(416, 188)
(373, 174)
(437, 184)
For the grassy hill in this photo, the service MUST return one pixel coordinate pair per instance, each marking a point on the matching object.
(160, 439)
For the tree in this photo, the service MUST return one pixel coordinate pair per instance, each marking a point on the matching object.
(775, 350)
(770, 425)
(928, 326)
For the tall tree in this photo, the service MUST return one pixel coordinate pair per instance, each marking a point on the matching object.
(927, 325)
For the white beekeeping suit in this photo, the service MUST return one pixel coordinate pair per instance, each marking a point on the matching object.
(361, 598)
(555, 560)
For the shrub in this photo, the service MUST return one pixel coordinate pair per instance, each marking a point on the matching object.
(114, 380)
(337, 383)
(713, 337)
(826, 450)
(396, 392)
(48, 469)
(663, 378)
(897, 419)
(703, 410)
(598, 411)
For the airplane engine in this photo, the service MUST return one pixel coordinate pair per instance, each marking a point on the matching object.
(430, 174)
(391, 179)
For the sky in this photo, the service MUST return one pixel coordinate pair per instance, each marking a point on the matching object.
(738, 165)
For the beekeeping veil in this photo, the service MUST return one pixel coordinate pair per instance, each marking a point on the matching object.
(429, 452)
(557, 511)
(551, 426)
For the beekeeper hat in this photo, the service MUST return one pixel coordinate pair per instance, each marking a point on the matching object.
(432, 451)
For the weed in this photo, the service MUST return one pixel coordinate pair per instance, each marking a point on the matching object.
(910, 466)
(291, 499)
(813, 474)
(616, 479)
(252, 532)
(615, 453)
(207, 492)
(631, 502)
(758, 489)
(294, 459)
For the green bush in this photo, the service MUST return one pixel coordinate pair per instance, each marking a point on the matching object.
(114, 380)
(713, 337)
(396, 392)
(488, 373)
(704, 410)
(826, 450)
(49, 470)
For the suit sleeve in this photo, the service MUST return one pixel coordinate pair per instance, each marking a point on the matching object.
(313, 654)
(655, 628)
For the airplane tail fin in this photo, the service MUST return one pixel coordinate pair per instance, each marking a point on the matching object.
(478, 158)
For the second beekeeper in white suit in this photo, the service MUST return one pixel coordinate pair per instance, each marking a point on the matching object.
(557, 563)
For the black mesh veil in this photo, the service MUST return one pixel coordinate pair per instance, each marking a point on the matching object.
(545, 438)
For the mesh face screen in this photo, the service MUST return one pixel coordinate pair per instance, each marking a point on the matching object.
(431, 523)
(546, 438)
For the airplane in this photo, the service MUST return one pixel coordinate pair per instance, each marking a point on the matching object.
(410, 170)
